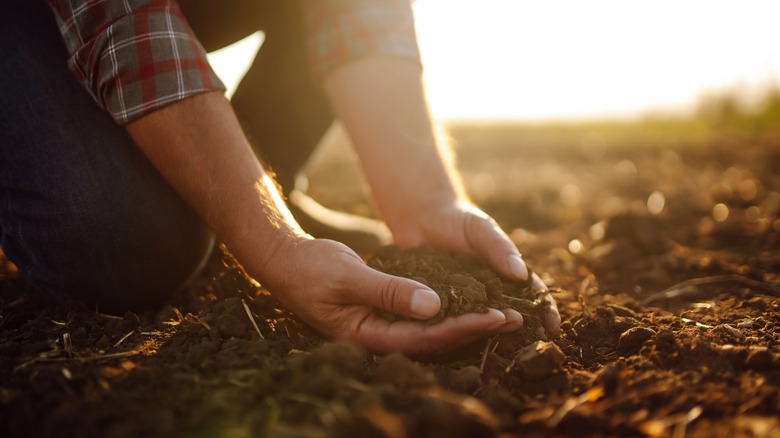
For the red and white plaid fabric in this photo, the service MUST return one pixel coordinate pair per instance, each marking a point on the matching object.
(344, 30)
(136, 56)
(133, 56)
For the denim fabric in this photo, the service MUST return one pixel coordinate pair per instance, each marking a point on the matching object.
(83, 214)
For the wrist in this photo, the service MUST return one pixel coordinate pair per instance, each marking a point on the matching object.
(271, 261)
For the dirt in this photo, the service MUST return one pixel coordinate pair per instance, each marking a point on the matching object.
(463, 284)
(671, 318)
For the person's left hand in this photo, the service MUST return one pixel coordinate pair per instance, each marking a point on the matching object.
(462, 227)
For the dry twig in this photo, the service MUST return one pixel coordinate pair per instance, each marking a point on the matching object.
(122, 339)
(687, 287)
(252, 318)
(107, 316)
(484, 354)
(82, 359)
(67, 345)
(658, 428)
(192, 318)
(151, 333)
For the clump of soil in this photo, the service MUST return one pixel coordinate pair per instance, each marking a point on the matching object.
(463, 284)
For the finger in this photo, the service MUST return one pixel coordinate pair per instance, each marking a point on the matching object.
(409, 337)
(552, 320)
(514, 320)
(490, 242)
(395, 294)
(537, 283)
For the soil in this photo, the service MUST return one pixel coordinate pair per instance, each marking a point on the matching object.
(463, 284)
(664, 260)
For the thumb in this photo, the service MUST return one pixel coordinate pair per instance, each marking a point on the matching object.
(489, 241)
(395, 294)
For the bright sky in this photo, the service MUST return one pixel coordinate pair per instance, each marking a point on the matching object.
(531, 59)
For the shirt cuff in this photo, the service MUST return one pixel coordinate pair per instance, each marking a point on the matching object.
(344, 30)
(143, 61)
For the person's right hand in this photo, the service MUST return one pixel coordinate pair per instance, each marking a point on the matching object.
(330, 287)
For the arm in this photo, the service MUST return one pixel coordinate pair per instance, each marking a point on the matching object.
(197, 145)
(192, 137)
(382, 104)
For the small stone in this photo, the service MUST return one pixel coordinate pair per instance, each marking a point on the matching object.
(634, 337)
(667, 336)
(730, 330)
(622, 323)
(539, 360)
(746, 324)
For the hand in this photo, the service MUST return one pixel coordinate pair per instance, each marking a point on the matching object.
(381, 101)
(462, 227)
(327, 285)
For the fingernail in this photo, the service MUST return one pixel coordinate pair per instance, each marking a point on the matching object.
(500, 319)
(517, 267)
(425, 303)
(513, 316)
(537, 283)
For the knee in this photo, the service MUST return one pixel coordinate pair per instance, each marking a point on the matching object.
(145, 263)
(118, 257)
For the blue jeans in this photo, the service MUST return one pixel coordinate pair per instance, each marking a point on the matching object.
(83, 214)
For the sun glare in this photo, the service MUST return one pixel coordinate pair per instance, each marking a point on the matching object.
(531, 60)
(551, 59)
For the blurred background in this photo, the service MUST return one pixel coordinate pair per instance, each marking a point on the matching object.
(566, 114)
(510, 60)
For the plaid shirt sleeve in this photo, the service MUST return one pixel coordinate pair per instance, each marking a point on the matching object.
(133, 56)
(344, 30)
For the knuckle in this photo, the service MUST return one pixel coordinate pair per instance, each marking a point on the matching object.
(484, 232)
(390, 294)
(480, 225)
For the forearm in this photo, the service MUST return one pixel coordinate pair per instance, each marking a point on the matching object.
(382, 104)
(199, 148)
